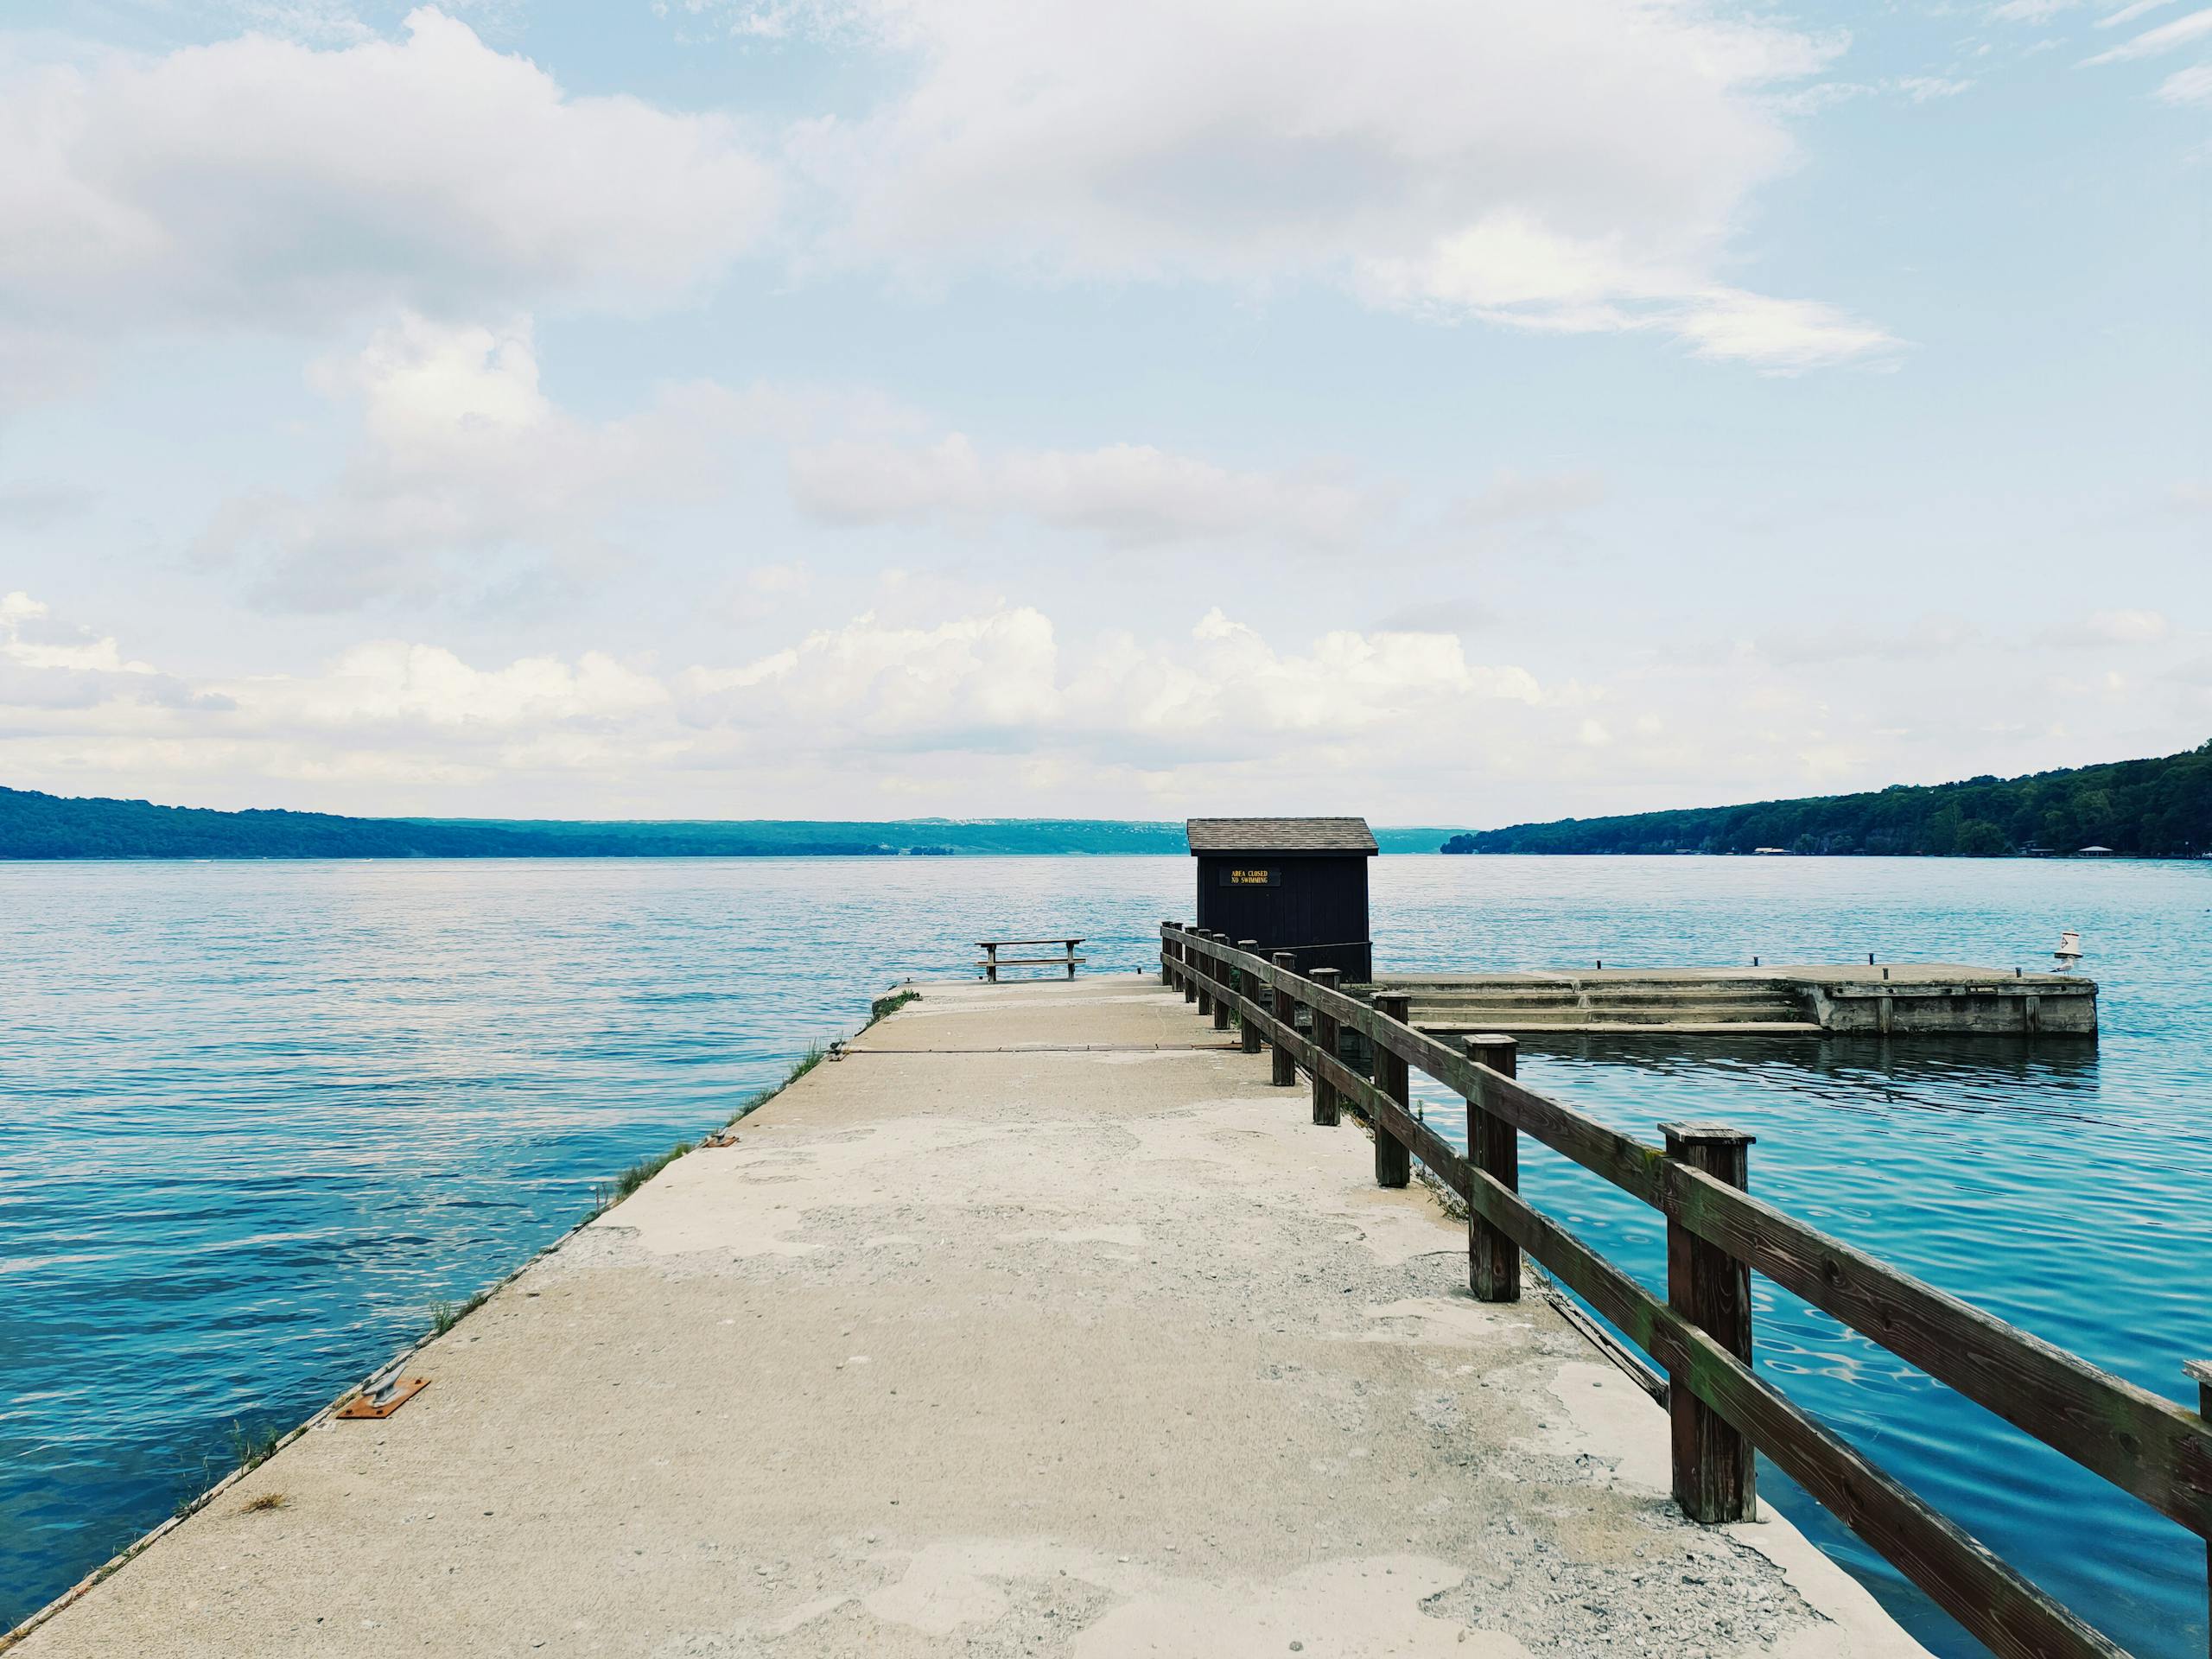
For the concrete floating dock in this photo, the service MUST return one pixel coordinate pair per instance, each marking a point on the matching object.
(1925, 999)
(1038, 1323)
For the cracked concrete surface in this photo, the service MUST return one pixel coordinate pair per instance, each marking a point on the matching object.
(1041, 1325)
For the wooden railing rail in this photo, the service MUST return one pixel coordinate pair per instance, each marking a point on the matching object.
(1699, 1333)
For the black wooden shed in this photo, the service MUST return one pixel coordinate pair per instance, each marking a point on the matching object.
(1294, 884)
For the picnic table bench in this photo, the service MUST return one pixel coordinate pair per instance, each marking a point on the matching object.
(993, 962)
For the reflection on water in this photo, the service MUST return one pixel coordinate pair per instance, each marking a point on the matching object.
(254, 1119)
(1925, 1070)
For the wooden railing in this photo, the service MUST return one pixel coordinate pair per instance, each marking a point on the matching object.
(1700, 1333)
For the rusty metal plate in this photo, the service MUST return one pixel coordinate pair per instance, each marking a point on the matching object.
(382, 1401)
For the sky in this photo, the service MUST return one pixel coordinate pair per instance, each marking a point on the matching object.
(1447, 411)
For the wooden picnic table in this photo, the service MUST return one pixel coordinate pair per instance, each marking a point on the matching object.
(993, 962)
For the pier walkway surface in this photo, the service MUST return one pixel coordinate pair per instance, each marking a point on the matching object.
(1041, 1323)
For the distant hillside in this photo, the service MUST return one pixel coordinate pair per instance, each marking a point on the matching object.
(920, 836)
(33, 826)
(2147, 808)
(724, 838)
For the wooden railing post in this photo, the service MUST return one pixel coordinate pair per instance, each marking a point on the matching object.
(1251, 987)
(1393, 1163)
(1712, 1290)
(1220, 971)
(1325, 1042)
(1202, 970)
(2201, 1370)
(1166, 954)
(1186, 968)
(1494, 1148)
(1284, 1072)
(991, 965)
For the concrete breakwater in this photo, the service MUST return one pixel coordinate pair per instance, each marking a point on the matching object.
(1038, 1323)
(1925, 999)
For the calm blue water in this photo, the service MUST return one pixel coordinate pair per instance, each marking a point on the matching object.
(255, 1119)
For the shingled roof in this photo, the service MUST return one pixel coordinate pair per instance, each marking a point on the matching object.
(1280, 836)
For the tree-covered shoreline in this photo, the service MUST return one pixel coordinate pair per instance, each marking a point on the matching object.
(39, 826)
(34, 825)
(2159, 808)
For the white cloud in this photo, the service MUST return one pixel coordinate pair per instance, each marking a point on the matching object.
(2113, 628)
(1918, 89)
(997, 708)
(380, 685)
(975, 694)
(1001, 679)
(1510, 271)
(2190, 86)
(2128, 14)
(21, 623)
(1930, 639)
(1923, 89)
(46, 664)
(468, 481)
(872, 680)
(1783, 335)
(467, 478)
(792, 577)
(260, 182)
(384, 714)
(1580, 166)
(1510, 497)
(1132, 494)
(391, 684)
(2152, 43)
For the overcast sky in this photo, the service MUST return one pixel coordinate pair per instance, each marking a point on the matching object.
(1450, 410)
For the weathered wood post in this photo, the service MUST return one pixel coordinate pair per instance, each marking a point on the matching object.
(1325, 1042)
(1494, 1148)
(1250, 989)
(1393, 1163)
(1284, 1072)
(1166, 954)
(1221, 974)
(1187, 967)
(1712, 1290)
(1204, 969)
(1071, 946)
(2201, 1370)
(991, 964)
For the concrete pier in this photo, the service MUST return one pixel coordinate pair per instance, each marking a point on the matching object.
(1038, 1323)
(1901, 999)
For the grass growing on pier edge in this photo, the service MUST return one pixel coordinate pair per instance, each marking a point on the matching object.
(884, 1006)
(446, 1315)
(646, 1168)
(612, 1193)
(254, 1446)
(815, 1053)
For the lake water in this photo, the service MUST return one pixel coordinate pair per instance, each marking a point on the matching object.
(255, 1119)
